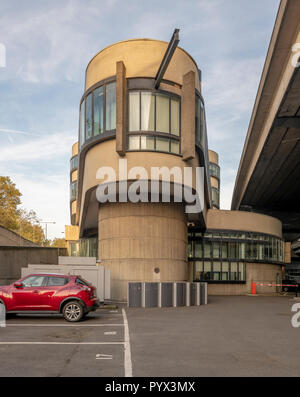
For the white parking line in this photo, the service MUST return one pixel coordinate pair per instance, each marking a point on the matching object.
(64, 325)
(104, 356)
(110, 314)
(127, 352)
(62, 343)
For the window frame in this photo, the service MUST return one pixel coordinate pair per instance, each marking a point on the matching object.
(105, 133)
(154, 133)
(54, 276)
(34, 286)
(237, 239)
(73, 198)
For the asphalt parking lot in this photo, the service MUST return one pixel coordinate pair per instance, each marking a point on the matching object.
(231, 336)
(35, 345)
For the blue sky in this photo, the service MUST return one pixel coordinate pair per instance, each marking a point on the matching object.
(48, 45)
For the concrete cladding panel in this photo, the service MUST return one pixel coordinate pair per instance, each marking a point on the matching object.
(104, 154)
(141, 58)
(142, 242)
(242, 220)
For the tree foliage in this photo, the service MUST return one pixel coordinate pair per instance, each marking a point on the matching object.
(9, 201)
(21, 221)
(59, 243)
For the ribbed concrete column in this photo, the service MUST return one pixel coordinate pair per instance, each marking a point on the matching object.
(142, 242)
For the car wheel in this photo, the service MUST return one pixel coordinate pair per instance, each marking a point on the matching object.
(73, 311)
(285, 289)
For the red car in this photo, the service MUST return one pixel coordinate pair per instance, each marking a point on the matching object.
(50, 293)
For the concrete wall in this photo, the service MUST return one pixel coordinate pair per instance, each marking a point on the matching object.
(254, 272)
(246, 221)
(12, 259)
(12, 239)
(142, 58)
(134, 239)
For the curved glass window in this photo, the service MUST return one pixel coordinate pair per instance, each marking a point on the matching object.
(225, 253)
(215, 197)
(110, 114)
(98, 112)
(88, 117)
(157, 143)
(199, 123)
(214, 170)
(81, 124)
(156, 113)
(85, 247)
(74, 163)
(73, 191)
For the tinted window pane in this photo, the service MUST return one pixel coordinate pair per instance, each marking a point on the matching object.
(147, 109)
(207, 249)
(33, 281)
(162, 144)
(147, 143)
(73, 191)
(74, 162)
(197, 121)
(217, 271)
(82, 123)
(174, 147)
(198, 269)
(98, 110)
(225, 271)
(134, 142)
(202, 124)
(88, 117)
(198, 249)
(110, 106)
(224, 250)
(206, 275)
(233, 273)
(241, 271)
(162, 113)
(216, 250)
(175, 116)
(57, 281)
(134, 111)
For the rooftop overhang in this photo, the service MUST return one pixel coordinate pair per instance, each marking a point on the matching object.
(268, 179)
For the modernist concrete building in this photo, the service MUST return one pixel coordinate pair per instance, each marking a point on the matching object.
(143, 103)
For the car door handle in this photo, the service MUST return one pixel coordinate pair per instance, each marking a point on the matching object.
(35, 291)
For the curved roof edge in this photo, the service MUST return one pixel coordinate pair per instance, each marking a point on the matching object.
(138, 39)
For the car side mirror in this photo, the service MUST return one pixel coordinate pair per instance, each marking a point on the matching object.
(18, 284)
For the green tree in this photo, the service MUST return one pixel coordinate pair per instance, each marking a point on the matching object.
(59, 243)
(29, 228)
(21, 221)
(9, 201)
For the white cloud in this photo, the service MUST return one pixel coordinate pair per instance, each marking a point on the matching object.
(48, 197)
(232, 84)
(46, 147)
(226, 195)
(49, 44)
